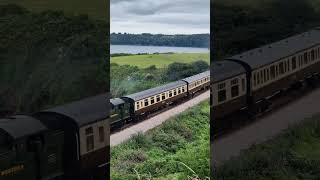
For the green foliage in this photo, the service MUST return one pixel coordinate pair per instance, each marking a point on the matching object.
(293, 155)
(49, 59)
(127, 79)
(177, 149)
(195, 40)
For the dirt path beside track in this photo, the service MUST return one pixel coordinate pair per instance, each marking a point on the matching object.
(155, 121)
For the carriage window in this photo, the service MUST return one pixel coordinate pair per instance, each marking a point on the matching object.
(179, 91)
(222, 96)
(182, 89)
(261, 77)
(265, 75)
(281, 68)
(101, 134)
(255, 79)
(272, 72)
(146, 102)
(174, 92)
(90, 139)
(221, 86)
(234, 91)
(268, 75)
(163, 96)
(234, 81)
(152, 100)
(312, 55)
(243, 84)
(158, 98)
(288, 65)
(294, 63)
(170, 93)
(305, 58)
(138, 105)
(258, 78)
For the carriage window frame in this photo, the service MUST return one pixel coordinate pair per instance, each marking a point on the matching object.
(101, 134)
(294, 63)
(243, 83)
(261, 77)
(281, 68)
(235, 91)
(255, 79)
(163, 96)
(138, 105)
(313, 57)
(305, 58)
(221, 86)
(146, 102)
(152, 100)
(222, 97)
(89, 139)
(158, 98)
(272, 72)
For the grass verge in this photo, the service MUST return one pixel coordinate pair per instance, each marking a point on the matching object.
(295, 154)
(178, 149)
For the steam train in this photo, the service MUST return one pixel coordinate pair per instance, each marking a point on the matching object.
(246, 82)
(66, 142)
(140, 105)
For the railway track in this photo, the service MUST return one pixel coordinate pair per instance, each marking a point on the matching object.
(150, 123)
(169, 107)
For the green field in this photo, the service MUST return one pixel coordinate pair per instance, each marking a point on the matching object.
(159, 60)
(94, 8)
(175, 150)
(293, 155)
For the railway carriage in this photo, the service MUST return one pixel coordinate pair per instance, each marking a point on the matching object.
(280, 65)
(148, 101)
(229, 88)
(198, 82)
(86, 133)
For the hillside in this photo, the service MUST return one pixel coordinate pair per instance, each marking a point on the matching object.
(49, 59)
(94, 8)
(177, 149)
(243, 25)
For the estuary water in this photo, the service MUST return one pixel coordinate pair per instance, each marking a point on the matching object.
(134, 49)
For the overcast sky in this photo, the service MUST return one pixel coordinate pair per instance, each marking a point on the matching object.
(160, 16)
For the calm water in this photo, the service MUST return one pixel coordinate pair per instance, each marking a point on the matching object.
(132, 49)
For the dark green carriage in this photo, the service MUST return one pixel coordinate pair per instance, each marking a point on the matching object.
(28, 150)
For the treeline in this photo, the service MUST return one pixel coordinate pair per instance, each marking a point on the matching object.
(127, 79)
(146, 39)
(48, 59)
(240, 28)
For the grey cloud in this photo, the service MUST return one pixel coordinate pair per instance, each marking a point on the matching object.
(182, 14)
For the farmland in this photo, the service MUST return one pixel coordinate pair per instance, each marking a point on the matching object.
(175, 150)
(159, 60)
